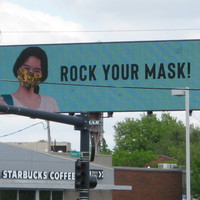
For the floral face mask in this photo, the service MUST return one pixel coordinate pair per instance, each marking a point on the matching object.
(28, 79)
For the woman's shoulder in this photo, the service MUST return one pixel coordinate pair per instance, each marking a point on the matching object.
(49, 104)
(46, 98)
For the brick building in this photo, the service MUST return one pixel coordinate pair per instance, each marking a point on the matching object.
(160, 159)
(148, 184)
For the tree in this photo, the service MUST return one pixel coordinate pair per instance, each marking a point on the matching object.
(149, 133)
(104, 147)
(138, 141)
(195, 161)
(165, 136)
(172, 139)
(138, 158)
(137, 134)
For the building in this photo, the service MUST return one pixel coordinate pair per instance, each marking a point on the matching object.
(27, 174)
(42, 146)
(148, 183)
(36, 175)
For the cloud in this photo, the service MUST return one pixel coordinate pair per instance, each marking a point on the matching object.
(22, 26)
(82, 16)
(143, 13)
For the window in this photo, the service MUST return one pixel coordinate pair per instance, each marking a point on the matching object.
(26, 195)
(30, 195)
(50, 195)
(57, 195)
(45, 195)
(8, 194)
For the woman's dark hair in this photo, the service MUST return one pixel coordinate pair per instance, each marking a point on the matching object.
(36, 52)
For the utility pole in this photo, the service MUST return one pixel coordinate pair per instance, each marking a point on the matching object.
(48, 136)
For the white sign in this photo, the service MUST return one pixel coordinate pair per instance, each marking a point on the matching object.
(37, 175)
(98, 173)
(95, 122)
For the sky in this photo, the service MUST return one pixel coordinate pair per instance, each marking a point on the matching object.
(83, 21)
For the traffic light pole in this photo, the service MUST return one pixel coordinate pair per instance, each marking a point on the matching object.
(56, 117)
(80, 123)
(84, 148)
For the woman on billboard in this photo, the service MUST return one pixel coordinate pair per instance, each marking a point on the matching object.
(31, 69)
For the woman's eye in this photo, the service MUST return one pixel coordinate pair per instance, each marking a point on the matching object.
(26, 67)
(37, 71)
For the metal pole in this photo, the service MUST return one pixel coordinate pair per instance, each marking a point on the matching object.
(187, 109)
(84, 148)
(56, 117)
(80, 123)
(48, 136)
(185, 93)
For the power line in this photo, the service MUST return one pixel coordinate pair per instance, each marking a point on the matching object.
(15, 132)
(100, 31)
(0, 36)
(107, 86)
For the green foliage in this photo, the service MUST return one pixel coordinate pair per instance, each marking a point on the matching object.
(139, 140)
(104, 147)
(42, 141)
(195, 162)
(150, 133)
(172, 139)
(195, 175)
(134, 159)
(137, 134)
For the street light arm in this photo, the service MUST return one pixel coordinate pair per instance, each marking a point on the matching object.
(56, 117)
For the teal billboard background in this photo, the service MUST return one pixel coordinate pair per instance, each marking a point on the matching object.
(121, 76)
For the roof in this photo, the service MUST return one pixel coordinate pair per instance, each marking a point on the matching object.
(22, 168)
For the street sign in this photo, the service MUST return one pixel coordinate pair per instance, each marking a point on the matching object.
(95, 122)
(97, 172)
(75, 154)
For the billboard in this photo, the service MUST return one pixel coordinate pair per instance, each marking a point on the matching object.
(92, 77)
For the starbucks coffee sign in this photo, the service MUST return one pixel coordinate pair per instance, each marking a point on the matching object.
(37, 175)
